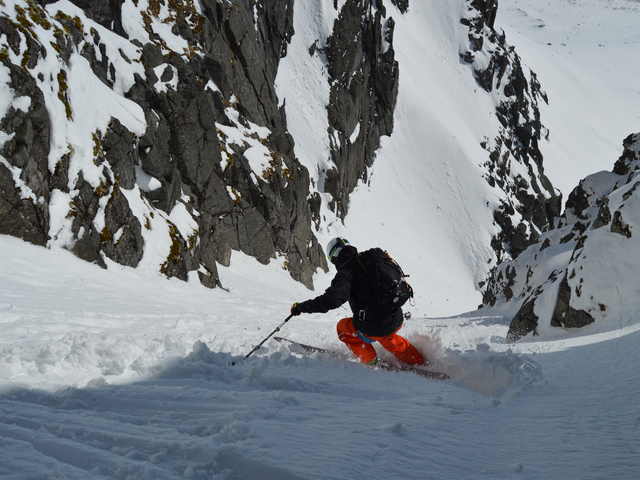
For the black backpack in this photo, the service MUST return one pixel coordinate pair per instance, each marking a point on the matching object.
(390, 289)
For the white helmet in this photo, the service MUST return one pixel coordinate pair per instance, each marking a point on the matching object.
(335, 247)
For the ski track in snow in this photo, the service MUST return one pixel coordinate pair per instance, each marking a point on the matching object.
(175, 407)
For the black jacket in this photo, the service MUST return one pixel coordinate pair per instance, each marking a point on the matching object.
(351, 283)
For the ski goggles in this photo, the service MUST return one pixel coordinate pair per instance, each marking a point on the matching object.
(336, 249)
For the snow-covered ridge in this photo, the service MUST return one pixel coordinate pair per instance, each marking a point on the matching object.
(529, 203)
(582, 271)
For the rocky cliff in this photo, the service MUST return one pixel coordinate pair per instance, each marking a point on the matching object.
(581, 271)
(364, 86)
(150, 133)
(530, 203)
(185, 154)
(568, 270)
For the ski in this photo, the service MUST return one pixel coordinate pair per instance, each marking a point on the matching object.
(297, 347)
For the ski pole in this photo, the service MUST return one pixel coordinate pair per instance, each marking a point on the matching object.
(257, 347)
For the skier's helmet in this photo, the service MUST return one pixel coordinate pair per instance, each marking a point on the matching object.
(335, 247)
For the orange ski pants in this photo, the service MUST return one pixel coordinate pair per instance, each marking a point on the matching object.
(399, 346)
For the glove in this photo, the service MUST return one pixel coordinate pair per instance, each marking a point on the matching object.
(295, 309)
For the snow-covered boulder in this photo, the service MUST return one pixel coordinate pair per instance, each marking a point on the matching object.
(586, 269)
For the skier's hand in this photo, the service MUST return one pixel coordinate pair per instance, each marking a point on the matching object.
(295, 309)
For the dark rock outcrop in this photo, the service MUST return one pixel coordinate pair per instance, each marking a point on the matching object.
(530, 205)
(364, 85)
(524, 322)
(534, 199)
(564, 315)
(235, 47)
(270, 214)
(593, 266)
(223, 78)
(24, 178)
(488, 9)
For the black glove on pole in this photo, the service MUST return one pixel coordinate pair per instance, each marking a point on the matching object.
(257, 347)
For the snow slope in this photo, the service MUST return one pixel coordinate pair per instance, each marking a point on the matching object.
(145, 389)
(585, 53)
(425, 202)
(124, 374)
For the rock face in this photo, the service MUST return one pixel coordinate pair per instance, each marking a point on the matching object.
(580, 272)
(24, 172)
(488, 9)
(214, 168)
(228, 64)
(530, 204)
(364, 87)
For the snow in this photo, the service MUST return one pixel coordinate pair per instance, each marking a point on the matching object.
(253, 137)
(585, 53)
(109, 373)
(121, 373)
(145, 181)
(134, 15)
(425, 174)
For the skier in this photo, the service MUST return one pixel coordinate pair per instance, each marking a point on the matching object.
(358, 332)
